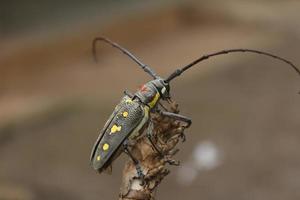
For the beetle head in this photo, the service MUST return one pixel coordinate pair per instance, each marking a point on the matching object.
(151, 92)
(162, 87)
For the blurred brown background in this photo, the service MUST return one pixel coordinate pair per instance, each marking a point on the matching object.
(244, 142)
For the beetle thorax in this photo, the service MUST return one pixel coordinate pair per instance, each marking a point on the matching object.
(151, 92)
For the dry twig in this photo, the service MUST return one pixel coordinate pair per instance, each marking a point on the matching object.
(167, 133)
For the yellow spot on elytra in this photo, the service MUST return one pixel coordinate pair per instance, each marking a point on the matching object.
(128, 101)
(125, 114)
(115, 128)
(98, 158)
(105, 147)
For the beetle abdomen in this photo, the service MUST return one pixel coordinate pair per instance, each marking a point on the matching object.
(127, 115)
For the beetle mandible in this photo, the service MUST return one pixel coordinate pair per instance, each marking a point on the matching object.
(132, 113)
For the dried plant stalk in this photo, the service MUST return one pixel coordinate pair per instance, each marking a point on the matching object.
(167, 133)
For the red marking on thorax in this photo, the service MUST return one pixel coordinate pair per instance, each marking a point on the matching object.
(144, 88)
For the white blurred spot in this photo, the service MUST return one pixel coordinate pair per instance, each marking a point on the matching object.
(206, 156)
(187, 174)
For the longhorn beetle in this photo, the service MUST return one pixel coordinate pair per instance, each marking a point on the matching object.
(132, 113)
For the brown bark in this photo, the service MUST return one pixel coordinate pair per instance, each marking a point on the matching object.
(167, 132)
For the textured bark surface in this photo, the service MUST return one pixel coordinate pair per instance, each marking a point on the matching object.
(167, 132)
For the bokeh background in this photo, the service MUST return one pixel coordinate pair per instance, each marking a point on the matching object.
(244, 142)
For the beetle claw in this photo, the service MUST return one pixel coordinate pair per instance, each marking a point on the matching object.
(173, 162)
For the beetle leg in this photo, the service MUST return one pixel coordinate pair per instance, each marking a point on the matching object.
(176, 116)
(161, 154)
(150, 135)
(161, 105)
(135, 161)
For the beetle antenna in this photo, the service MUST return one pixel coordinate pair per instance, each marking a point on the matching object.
(178, 72)
(146, 68)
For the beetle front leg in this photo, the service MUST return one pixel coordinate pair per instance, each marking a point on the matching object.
(176, 116)
(179, 117)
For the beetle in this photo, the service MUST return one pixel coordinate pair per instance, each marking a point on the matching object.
(133, 111)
